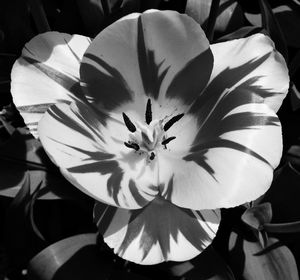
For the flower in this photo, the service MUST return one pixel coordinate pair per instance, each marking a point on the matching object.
(158, 126)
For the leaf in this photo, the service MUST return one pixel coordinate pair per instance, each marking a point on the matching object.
(209, 265)
(252, 261)
(293, 157)
(270, 23)
(97, 14)
(92, 14)
(22, 153)
(284, 195)
(39, 15)
(16, 234)
(229, 15)
(283, 227)
(240, 33)
(288, 19)
(294, 97)
(258, 215)
(76, 257)
(294, 64)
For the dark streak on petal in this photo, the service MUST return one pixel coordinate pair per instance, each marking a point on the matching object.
(200, 158)
(110, 89)
(225, 80)
(141, 201)
(192, 78)
(66, 81)
(104, 167)
(198, 150)
(149, 69)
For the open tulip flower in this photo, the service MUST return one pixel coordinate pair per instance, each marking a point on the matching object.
(160, 127)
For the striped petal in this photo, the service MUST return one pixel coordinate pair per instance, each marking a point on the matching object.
(230, 162)
(161, 55)
(159, 232)
(46, 73)
(91, 155)
(250, 62)
(237, 140)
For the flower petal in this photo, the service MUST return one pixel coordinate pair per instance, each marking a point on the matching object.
(254, 61)
(151, 55)
(91, 155)
(231, 161)
(159, 232)
(46, 73)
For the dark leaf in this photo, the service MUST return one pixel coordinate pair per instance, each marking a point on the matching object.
(22, 153)
(270, 23)
(284, 195)
(39, 15)
(258, 215)
(288, 19)
(209, 265)
(294, 64)
(240, 33)
(92, 14)
(228, 16)
(76, 257)
(251, 261)
(283, 227)
(15, 229)
(294, 96)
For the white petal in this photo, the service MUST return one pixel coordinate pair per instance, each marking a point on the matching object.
(227, 166)
(159, 232)
(251, 59)
(90, 151)
(152, 55)
(46, 73)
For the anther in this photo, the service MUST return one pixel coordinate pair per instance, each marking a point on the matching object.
(131, 127)
(148, 115)
(168, 140)
(152, 156)
(170, 122)
(132, 145)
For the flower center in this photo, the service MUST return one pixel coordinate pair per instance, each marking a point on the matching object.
(149, 137)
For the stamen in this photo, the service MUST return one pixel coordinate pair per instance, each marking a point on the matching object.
(170, 122)
(152, 156)
(148, 114)
(132, 145)
(168, 140)
(131, 127)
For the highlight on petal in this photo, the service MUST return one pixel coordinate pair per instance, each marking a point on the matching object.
(159, 232)
(90, 151)
(46, 73)
(254, 62)
(157, 54)
(231, 160)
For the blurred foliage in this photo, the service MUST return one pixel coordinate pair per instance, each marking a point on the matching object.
(46, 228)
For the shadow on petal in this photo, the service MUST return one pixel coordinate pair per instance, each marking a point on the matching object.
(161, 231)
